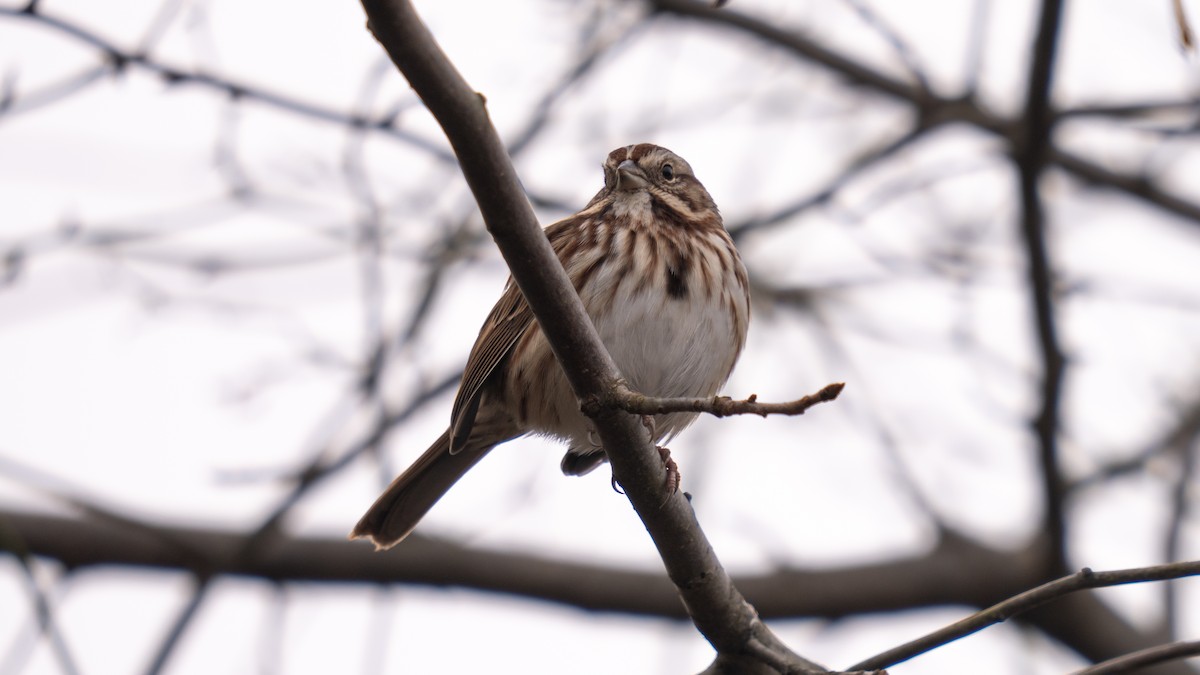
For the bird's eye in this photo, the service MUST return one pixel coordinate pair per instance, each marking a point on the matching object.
(668, 171)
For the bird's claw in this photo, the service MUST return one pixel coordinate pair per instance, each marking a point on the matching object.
(616, 486)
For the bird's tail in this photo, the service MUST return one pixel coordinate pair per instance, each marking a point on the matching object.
(410, 496)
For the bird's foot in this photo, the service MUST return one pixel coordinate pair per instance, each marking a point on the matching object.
(673, 477)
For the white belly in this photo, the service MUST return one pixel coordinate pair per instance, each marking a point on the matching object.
(668, 346)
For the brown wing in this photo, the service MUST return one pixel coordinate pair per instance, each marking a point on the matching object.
(506, 323)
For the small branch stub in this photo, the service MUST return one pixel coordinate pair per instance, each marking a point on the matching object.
(622, 398)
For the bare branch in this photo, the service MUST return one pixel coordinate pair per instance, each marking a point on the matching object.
(1145, 657)
(1049, 592)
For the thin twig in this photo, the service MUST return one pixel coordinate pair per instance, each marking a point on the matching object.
(1144, 657)
(1048, 592)
(630, 401)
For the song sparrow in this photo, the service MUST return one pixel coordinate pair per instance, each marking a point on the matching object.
(667, 292)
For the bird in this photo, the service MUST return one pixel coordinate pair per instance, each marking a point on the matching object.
(668, 294)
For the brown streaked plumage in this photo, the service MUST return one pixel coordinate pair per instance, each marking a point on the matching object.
(662, 282)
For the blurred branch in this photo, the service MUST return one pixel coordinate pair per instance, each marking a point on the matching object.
(47, 625)
(271, 652)
(589, 56)
(11, 104)
(933, 108)
(193, 553)
(201, 586)
(457, 240)
(1175, 544)
(1178, 438)
(852, 170)
(905, 53)
(1132, 110)
(1032, 154)
(956, 571)
(321, 468)
(976, 46)
(119, 59)
(167, 12)
(1185, 30)
(1135, 185)
(856, 73)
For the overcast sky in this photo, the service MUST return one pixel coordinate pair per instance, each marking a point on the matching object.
(190, 313)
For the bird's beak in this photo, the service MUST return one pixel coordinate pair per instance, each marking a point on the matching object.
(630, 176)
